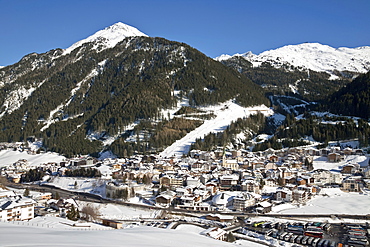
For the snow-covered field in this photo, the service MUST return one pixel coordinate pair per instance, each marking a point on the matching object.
(330, 201)
(320, 162)
(8, 157)
(21, 235)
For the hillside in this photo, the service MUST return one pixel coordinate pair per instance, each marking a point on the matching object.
(75, 99)
(353, 99)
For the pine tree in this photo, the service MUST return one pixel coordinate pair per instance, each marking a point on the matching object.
(26, 192)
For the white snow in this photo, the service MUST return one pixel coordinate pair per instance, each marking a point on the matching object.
(8, 157)
(225, 114)
(107, 37)
(320, 162)
(314, 56)
(330, 201)
(22, 235)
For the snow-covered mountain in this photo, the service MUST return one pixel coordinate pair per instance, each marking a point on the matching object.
(313, 56)
(87, 97)
(108, 37)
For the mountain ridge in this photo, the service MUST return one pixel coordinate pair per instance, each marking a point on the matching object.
(312, 56)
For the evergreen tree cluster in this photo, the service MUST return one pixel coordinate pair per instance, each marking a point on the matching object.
(321, 129)
(32, 175)
(353, 99)
(155, 136)
(83, 172)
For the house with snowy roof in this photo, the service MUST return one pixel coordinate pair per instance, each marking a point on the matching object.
(243, 201)
(352, 184)
(322, 177)
(16, 208)
(216, 233)
(284, 194)
(229, 181)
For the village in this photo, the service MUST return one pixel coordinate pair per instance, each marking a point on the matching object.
(217, 184)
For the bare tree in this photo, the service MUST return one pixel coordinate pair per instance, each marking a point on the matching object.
(89, 213)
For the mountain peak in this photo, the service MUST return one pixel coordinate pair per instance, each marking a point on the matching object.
(108, 37)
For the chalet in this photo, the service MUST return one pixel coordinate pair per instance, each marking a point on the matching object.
(302, 180)
(263, 207)
(347, 151)
(367, 183)
(211, 187)
(192, 181)
(284, 195)
(270, 166)
(366, 172)
(216, 233)
(42, 196)
(334, 157)
(352, 184)
(273, 158)
(165, 198)
(350, 168)
(7, 193)
(270, 181)
(250, 185)
(236, 153)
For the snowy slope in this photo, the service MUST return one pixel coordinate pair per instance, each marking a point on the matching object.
(226, 113)
(314, 56)
(24, 234)
(108, 37)
(8, 157)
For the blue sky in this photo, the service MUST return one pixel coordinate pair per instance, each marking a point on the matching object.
(214, 27)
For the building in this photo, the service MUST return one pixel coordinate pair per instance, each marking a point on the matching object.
(112, 223)
(229, 181)
(243, 201)
(16, 208)
(352, 184)
(334, 157)
(170, 181)
(284, 195)
(216, 233)
(323, 177)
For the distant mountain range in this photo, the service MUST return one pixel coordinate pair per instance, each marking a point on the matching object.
(312, 56)
(115, 90)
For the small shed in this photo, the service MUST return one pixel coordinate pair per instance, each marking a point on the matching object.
(112, 223)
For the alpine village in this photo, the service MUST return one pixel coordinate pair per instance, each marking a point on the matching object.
(241, 146)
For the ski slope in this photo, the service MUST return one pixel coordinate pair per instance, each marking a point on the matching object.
(225, 114)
